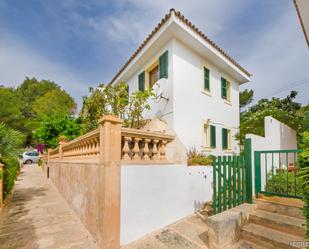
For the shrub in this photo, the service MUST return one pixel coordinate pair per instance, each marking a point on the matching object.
(115, 100)
(196, 158)
(304, 173)
(284, 187)
(11, 169)
(10, 145)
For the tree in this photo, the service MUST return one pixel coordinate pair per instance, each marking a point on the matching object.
(114, 100)
(23, 107)
(54, 102)
(245, 98)
(284, 110)
(10, 109)
(50, 128)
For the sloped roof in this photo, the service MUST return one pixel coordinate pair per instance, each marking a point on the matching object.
(302, 13)
(192, 27)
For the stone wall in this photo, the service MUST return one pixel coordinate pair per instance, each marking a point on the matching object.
(78, 184)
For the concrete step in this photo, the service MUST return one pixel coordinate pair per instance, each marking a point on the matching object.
(268, 237)
(244, 244)
(291, 208)
(279, 222)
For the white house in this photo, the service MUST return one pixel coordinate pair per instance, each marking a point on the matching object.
(197, 80)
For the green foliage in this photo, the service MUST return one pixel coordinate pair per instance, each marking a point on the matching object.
(138, 103)
(196, 158)
(10, 141)
(10, 109)
(114, 100)
(23, 107)
(54, 102)
(50, 128)
(10, 147)
(245, 98)
(304, 173)
(283, 187)
(11, 169)
(284, 110)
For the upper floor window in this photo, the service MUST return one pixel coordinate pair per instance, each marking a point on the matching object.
(141, 81)
(153, 75)
(158, 70)
(163, 65)
(206, 79)
(225, 89)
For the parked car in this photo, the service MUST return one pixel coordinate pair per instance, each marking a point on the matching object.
(30, 157)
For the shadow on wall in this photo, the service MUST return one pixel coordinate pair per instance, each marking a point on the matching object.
(198, 205)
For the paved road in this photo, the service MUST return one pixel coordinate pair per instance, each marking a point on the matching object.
(38, 217)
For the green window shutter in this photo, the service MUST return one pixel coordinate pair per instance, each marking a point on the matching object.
(206, 79)
(163, 65)
(213, 136)
(141, 81)
(223, 88)
(224, 138)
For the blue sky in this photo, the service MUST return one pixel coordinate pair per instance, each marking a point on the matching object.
(82, 43)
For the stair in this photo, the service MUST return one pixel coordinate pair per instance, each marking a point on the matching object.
(272, 226)
(243, 244)
(279, 222)
(267, 237)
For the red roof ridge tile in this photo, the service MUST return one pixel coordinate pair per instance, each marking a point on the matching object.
(190, 25)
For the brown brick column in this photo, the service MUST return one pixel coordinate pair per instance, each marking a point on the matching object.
(109, 182)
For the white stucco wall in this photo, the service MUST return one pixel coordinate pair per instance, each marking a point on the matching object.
(161, 109)
(278, 136)
(192, 106)
(154, 196)
(188, 107)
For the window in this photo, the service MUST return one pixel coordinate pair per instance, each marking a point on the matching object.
(225, 89)
(226, 139)
(213, 136)
(141, 81)
(153, 76)
(206, 79)
(163, 65)
(209, 136)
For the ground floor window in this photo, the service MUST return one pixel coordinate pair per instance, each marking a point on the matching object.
(226, 139)
(209, 135)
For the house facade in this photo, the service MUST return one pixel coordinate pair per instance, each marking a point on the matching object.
(196, 82)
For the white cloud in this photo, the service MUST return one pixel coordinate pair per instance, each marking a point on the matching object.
(278, 59)
(18, 61)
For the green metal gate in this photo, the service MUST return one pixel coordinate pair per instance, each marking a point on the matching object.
(232, 180)
(276, 173)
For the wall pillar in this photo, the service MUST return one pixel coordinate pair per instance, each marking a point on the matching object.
(248, 168)
(109, 182)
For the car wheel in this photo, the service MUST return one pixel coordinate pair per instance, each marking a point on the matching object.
(28, 161)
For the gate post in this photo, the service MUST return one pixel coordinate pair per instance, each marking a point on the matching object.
(257, 172)
(248, 168)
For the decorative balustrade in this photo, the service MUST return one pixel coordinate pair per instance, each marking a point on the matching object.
(84, 146)
(87, 145)
(52, 154)
(137, 146)
(143, 146)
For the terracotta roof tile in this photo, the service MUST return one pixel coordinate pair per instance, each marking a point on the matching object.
(190, 25)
